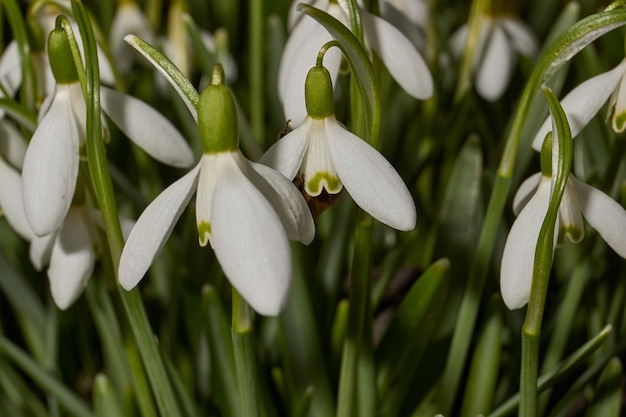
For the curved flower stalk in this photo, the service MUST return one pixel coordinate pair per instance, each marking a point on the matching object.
(531, 202)
(53, 155)
(404, 62)
(501, 39)
(129, 18)
(584, 102)
(329, 157)
(245, 211)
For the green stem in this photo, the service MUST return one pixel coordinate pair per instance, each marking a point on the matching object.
(357, 311)
(103, 187)
(257, 107)
(245, 358)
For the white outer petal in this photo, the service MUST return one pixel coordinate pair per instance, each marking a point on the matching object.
(496, 66)
(525, 192)
(518, 258)
(522, 38)
(286, 200)
(147, 128)
(153, 228)
(298, 58)
(583, 102)
(72, 259)
(249, 241)
(40, 249)
(51, 166)
(286, 155)
(604, 214)
(404, 62)
(11, 200)
(370, 179)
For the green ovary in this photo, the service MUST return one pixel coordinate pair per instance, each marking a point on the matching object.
(204, 232)
(323, 180)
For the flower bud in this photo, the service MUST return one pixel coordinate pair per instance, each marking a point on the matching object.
(318, 93)
(61, 59)
(217, 116)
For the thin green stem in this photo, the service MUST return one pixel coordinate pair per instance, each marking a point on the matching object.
(256, 73)
(245, 357)
(357, 310)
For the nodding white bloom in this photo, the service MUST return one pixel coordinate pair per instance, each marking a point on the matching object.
(531, 202)
(52, 159)
(329, 157)
(128, 19)
(501, 39)
(584, 102)
(246, 211)
(404, 62)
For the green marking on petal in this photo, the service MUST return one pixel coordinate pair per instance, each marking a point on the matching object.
(204, 232)
(323, 180)
(571, 232)
(619, 122)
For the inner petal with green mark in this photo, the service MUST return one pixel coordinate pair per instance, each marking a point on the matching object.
(619, 110)
(204, 196)
(204, 232)
(322, 180)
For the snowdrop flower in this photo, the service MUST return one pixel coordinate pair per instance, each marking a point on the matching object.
(531, 202)
(53, 155)
(245, 211)
(501, 39)
(128, 19)
(328, 157)
(584, 102)
(403, 61)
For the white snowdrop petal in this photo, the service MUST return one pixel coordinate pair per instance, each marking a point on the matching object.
(522, 38)
(40, 249)
(496, 66)
(11, 201)
(286, 155)
(298, 58)
(370, 179)
(287, 201)
(250, 242)
(404, 62)
(128, 19)
(204, 197)
(51, 167)
(583, 102)
(525, 192)
(518, 258)
(10, 69)
(153, 228)
(147, 128)
(72, 260)
(12, 146)
(603, 213)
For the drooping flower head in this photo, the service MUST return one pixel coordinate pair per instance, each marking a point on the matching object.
(531, 202)
(245, 211)
(53, 156)
(404, 62)
(327, 157)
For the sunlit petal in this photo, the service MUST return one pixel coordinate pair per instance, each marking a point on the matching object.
(147, 128)
(72, 260)
(583, 102)
(153, 228)
(51, 167)
(603, 213)
(519, 250)
(11, 201)
(496, 66)
(287, 201)
(370, 179)
(286, 155)
(404, 62)
(249, 241)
